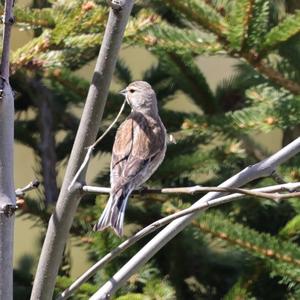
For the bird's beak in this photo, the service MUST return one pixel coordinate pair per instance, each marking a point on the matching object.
(123, 92)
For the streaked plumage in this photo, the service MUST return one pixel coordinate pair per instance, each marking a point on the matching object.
(138, 150)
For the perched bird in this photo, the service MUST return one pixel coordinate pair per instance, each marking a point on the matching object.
(139, 148)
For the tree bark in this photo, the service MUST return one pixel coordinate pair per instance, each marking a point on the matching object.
(62, 218)
(7, 191)
(7, 195)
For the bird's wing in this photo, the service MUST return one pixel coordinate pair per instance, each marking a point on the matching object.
(138, 140)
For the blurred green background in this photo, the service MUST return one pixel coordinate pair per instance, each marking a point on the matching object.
(206, 64)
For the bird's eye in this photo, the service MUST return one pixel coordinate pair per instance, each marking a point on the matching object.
(131, 91)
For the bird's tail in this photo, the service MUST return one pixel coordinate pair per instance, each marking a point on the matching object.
(113, 214)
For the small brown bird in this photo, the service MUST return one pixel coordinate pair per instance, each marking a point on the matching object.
(139, 148)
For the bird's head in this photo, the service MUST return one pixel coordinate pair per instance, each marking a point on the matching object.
(141, 97)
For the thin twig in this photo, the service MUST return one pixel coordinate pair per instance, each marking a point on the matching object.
(110, 126)
(92, 147)
(260, 169)
(289, 187)
(264, 192)
(30, 186)
(9, 209)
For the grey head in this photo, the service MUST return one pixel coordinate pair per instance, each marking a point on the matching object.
(141, 97)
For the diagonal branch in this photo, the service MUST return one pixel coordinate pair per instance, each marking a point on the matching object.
(272, 74)
(267, 191)
(63, 215)
(20, 192)
(261, 169)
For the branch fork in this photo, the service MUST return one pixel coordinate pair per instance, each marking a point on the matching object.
(265, 192)
(69, 197)
(116, 4)
(261, 169)
(30, 186)
(8, 21)
(73, 186)
(8, 210)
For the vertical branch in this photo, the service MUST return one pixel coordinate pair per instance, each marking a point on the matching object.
(8, 20)
(47, 152)
(62, 218)
(7, 195)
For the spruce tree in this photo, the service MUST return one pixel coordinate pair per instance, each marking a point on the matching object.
(244, 250)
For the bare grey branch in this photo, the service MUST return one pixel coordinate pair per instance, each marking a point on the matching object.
(30, 186)
(63, 215)
(261, 169)
(291, 187)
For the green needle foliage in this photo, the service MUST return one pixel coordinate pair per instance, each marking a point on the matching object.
(244, 250)
(282, 32)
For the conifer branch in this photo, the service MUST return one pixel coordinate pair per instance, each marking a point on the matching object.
(238, 23)
(201, 13)
(248, 245)
(164, 221)
(262, 245)
(204, 15)
(261, 169)
(33, 16)
(166, 38)
(287, 28)
(273, 74)
(63, 215)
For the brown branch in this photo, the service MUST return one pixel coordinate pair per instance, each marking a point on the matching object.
(272, 74)
(274, 195)
(248, 245)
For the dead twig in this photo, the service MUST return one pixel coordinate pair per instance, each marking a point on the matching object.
(92, 147)
(265, 192)
(20, 192)
(288, 188)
